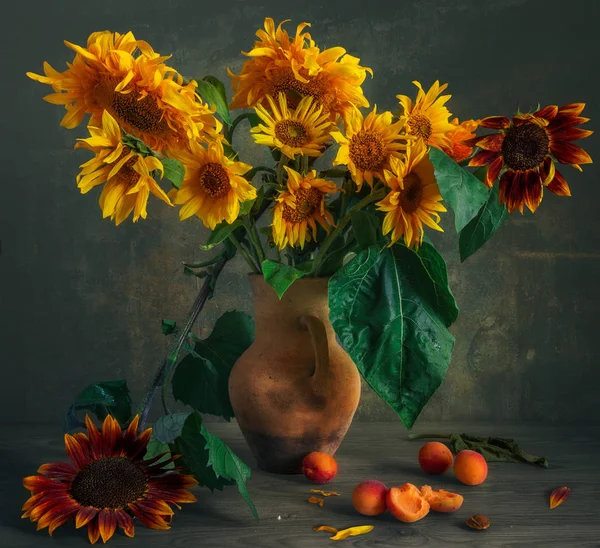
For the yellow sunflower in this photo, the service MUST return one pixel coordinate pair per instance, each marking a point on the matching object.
(213, 186)
(126, 176)
(298, 68)
(369, 144)
(146, 97)
(300, 207)
(414, 199)
(300, 131)
(427, 117)
(107, 484)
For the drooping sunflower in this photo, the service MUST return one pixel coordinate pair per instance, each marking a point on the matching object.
(107, 484)
(300, 131)
(144, 95)
(300, 208)
(459, 136)
(213, 186)
(527, 147)
(369, 144)
(414, 198)
(297, 67)
(427, 117)
(127, 176)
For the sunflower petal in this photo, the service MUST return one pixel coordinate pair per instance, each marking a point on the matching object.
(547, 113)
(493, 171)
(568, 153)
(533, 190)
(75, 452)
(495, 122)
(483, 158)
(85, 515)
(93, 531)
(125, 522)
(107, 523)
(558, 185)
(58, 470)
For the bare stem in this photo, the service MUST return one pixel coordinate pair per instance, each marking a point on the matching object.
(427, 436)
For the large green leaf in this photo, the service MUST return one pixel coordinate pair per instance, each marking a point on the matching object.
(366, 227)
(482, 227)
(155, 448)
(460, 189)
(220, 233)
(174, 171)
(191, 445)
(280, 276)
(101, 398)
(227, 465)
(212, 90)
(390, 313)
(168, 427)
(201, 378)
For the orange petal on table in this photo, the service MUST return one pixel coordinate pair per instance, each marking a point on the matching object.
(316, 500)
(352, 532)
(325, 528)
(325, 493)
(559, 496)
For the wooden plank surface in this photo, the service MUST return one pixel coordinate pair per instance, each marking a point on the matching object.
(514, 497)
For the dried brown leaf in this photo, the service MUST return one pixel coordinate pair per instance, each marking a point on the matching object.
(352, 532)
(325, 493)
(316, 500)
(558, 496)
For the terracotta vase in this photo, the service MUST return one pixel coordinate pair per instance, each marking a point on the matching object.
(295, 390)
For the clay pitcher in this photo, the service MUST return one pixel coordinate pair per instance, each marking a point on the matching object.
(295, 390)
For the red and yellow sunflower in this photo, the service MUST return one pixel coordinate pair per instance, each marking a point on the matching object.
(527, 147)
(460, 135)
(107, 484)
(298, 68)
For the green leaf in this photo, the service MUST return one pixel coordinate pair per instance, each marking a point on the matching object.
(495, 449)
(460, 189)
(168, 327)
(101, 399)
(483, 226)
(191, 272)
(388, 312)
(212, 90)
(280, 277)
(169, 427)
(220, 233)
(137, 145)
(174, 171)
(253, 118)
(191, 445)
(245, 207)
(227, 465)
(201, 378)
(155, 448)
(366, 227)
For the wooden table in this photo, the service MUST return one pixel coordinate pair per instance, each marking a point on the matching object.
(514, 497)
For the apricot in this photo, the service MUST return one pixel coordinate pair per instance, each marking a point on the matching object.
(470, 467)
(441, 501)
(406, 503)
(435, 458)
(368, 498)
(319, 467)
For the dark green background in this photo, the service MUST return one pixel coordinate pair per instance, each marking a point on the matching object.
(81, 300)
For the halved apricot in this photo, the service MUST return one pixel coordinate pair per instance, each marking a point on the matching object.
(440, 500)
(406, 503)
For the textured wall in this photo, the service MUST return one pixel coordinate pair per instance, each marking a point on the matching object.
(81, 300)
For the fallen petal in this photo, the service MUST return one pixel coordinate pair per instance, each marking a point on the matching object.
(316, 500)
(325, 493)
(352, 532)
(325, 528)
(559, 496)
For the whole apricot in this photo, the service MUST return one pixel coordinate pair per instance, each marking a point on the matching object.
(319, 467)
(470, 467)
(435, 458)
(368, 498)
(406, 503)
(441, 501)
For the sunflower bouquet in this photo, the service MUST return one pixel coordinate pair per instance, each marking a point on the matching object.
(347, 196)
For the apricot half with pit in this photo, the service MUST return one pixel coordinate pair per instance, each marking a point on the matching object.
(406, 503)
(441, 501)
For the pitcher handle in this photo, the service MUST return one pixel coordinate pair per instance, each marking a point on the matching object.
(318, 334)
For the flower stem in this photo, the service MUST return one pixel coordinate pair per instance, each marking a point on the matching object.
(426, 436)
(162, 376)
(244, 253)
(282, 162)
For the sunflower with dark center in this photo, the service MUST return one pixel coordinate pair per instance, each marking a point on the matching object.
(298, 209)
(526, 148)
(414, 199)
(213, 186)
(107, 485)
(303, 131)
(368, 144)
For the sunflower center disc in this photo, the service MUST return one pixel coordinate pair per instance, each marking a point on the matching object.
(307, 200)
(214, 180)
(109, 482)
(525, 147)
(411, 195)
(366, 151)
(284, 81)
(420, 125)
(291, 133)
